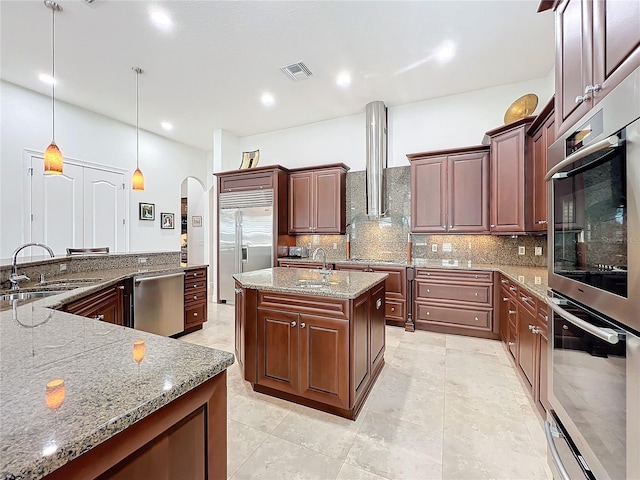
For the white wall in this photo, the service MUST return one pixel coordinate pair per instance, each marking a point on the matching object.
(87, 136)
(445, 122)
(196, 200)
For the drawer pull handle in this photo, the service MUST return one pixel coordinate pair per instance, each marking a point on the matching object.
(378, 304)
(195, 297)
(513, 289)
(531, 327)
(476, 294)
(503, 281)
(302, 325)
(535, 331)
(293, 324)
(511, 344)
(476, 319)
(238, 290)
(505, 299)
(511, 312)
(99, 317)
(525, 299)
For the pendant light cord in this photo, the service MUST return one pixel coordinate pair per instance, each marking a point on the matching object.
(53, 75)
(137, 125)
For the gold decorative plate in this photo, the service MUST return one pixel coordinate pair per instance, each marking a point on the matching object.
(522, 107)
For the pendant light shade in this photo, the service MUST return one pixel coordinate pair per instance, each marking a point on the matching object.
(53, 160)
(137, 181)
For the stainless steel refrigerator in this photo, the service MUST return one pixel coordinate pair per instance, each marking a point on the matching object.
(246, 236)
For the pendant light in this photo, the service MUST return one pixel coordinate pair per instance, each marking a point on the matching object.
(137, 182)
(53, 156)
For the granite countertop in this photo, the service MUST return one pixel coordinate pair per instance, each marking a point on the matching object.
(105, 389)
(532, 278)
(337, 284)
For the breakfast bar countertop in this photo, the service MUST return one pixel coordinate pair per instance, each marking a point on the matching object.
(336, 284)
(108, 383)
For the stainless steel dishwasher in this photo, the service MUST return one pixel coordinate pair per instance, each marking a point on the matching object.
(158, 303)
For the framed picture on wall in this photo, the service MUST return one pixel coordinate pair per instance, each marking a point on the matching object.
(166, 221)
(147, 211)
(196, 221)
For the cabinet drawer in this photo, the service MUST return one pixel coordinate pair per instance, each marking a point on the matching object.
(244, 181)
(454, 275)
(396, 282)
(458, 293)
(508, 285)
(474, 318)
(394, 309)
(198, 274)
(196, 284)
(194, 315)
(195, 296)
(527, 299)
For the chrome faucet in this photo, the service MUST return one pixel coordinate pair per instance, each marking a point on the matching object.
(14, 278)
(324, 259)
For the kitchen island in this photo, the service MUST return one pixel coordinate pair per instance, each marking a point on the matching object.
(80, 398)
(313, 338)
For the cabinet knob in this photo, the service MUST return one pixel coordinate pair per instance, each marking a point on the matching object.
(99, 317)
(535, 330)
(450, 226)
(492, 226)
(302, 325)
(503, 281)
(428, 291)
(511, 344)
(531, 327)
(525, 299)
(195, 314)
(476, 319)
(195, 297)
(476, 294)
(237, 290)
(511, 312)
(378, 304)
(427, 313)
(393, 309)
(293, 324)
(513, 289)
(476, 276)
(505, 299)
(121, 287)
(542, 222)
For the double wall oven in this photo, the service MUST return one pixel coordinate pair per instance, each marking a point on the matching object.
(593, 428)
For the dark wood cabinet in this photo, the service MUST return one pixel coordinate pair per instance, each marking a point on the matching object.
(527, 347)
(195, 299)
(317, 200)
(239, 324)
(322, 352)
(294, 264)
(541, 393)
(106, 305)
(450, 191)
(542, 134)
(459, 301)
(509, 195)
(597, 46)
(395, 310)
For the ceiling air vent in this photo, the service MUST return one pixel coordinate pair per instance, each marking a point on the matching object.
(297, 71)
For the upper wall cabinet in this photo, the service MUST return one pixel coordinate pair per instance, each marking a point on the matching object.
(317, 198)
(450, 191)
(510, 212)
(597, 46)
(542, 133)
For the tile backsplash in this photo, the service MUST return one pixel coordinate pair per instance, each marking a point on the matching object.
(387, 240)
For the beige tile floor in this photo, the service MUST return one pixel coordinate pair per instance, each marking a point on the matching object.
(444, 407)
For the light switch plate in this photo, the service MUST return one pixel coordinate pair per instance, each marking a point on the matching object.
(434, 247)
(142, 259)
(63, 267)
(335, 245)
(315, 239)
(521, 250)
(537, 280)
(446, 247)
(537, 251)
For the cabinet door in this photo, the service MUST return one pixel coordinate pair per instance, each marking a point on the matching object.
(503, 314)
(328, 210)
(507, 181)
(526, 343)
(468, 199)
(539, 170)
(377, 318)
(543, 378)
(324, 360)
(240, 325)
(300, 203)
(616, 42)
(574, 64)
(105, 305)
(278, 350)
(429, 195)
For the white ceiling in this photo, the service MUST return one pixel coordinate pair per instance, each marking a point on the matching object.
(209, 71)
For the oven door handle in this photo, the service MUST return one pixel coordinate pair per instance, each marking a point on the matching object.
(564, 475)
(606, 334)
(609, 142)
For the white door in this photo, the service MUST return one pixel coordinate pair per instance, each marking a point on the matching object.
(104, 206)
(57, 201)
(82, 208)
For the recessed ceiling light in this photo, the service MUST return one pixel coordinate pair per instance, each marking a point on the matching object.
(167, 126)
(343, 80)
(268, 100)
(161, 19)
(48, 79)
(446, 52)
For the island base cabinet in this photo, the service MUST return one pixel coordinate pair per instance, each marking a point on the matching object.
(186, 438)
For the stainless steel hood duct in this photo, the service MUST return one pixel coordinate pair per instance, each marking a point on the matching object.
(376, 161)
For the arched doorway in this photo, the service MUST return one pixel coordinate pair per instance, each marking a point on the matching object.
(192, 233)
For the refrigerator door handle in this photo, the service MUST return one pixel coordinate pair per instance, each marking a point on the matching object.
(245, 254)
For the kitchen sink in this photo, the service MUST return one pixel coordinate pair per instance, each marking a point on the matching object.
(21, 296)
(315, 283)
(74, 283)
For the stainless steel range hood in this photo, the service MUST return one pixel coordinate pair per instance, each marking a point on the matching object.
(376, 161)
